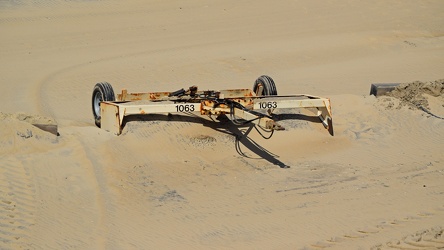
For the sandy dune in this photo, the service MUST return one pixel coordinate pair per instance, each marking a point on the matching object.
(187, 183)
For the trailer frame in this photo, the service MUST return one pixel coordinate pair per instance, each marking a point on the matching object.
(241, 105)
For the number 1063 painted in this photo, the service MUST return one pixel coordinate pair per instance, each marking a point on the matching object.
(268, 105)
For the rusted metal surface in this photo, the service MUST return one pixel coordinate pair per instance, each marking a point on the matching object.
(158, 95)
(233, 93)
(125, 96)
(259, 89)
(264, 122)
(163, 96)
(272, 125)
(211, 103)
(111, 117)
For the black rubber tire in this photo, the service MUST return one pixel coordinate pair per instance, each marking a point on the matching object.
(268, 86)
(103, 91)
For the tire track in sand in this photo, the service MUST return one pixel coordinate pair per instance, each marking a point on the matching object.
(432, 238)
(387, 234)
(17, 203)
(85, 147)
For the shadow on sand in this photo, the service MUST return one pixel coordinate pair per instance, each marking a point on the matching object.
(224, 125)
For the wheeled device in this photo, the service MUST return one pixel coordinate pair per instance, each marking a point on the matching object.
(241, 106)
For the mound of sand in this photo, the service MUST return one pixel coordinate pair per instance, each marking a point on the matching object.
(416, 94)
(32, 119)
(20, 133)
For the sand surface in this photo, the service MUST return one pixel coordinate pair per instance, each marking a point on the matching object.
(193, 184)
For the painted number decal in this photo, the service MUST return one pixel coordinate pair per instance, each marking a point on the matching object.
(184, 108)
(268, 105)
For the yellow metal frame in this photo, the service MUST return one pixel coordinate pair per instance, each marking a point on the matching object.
(113, 113)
